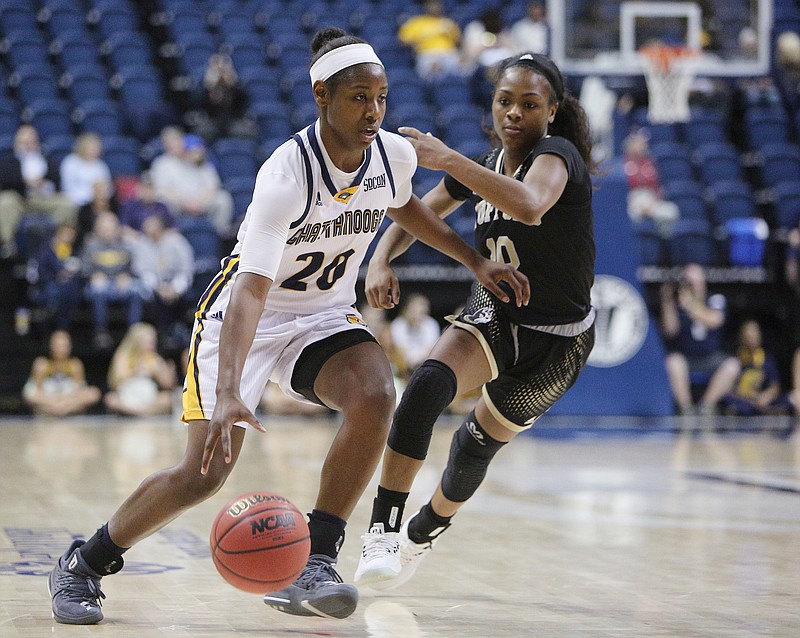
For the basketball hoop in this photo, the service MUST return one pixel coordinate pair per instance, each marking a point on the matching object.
(669, 71)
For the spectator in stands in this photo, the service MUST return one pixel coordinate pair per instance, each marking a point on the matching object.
(139, 378)
(692, 324)
(644, 190)
(749, 384)
(191, 187)
(485, 42)
(532, 33)
(414, 333)
(434, 38)
(146, 203)
(165, 263)
(787, 57)
(103, 201)
(55, 277)
(83, 168)
(57, 384)
(223, 103)
(107, 261)
(28, 183)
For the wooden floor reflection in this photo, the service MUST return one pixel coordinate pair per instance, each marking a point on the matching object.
(633, 536)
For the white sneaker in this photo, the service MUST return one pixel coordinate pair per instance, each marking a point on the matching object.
(411, 555)
(380, 556)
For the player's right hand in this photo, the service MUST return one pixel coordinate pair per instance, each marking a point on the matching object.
(381, 286)
(228, 411)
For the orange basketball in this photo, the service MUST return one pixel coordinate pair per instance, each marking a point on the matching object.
(260, 542)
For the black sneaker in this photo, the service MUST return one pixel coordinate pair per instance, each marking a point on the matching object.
(75, 589)
(319, 591)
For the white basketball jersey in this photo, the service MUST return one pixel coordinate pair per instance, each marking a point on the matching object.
(309, 224)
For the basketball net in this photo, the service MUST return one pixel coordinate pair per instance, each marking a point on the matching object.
(669, 72)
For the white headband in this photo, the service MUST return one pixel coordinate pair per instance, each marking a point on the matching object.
(341, 58)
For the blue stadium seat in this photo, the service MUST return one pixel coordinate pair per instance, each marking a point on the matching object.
(692, 242)
(786, 204)
(86, 83)
(661, 133)
(473, 148)
(63, 18)
(9, 118)
(247, 55)
(73, 54)
(23, 50)
(50, 117)
(780, 162)
(731, 199)
(200, 233)
(272, 119)
(126, 53)
(766, 126)
(705, 126)
(717, 161)
(57, 147)
(413, 114)
(451, 90)
(17, 16)
(688, 197)
(241, 189)
(651, 243)
(235, 158)
(672, 161)
(99, 116)
(122, 156)
(34, 83)
(109, 20)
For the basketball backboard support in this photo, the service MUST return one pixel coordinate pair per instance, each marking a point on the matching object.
(601, 37)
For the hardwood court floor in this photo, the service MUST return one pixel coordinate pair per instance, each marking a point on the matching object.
(594, 536)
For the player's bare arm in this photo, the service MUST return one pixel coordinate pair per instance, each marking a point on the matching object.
(525, 201)
(381, 286)
(238, 329)
(415, 217)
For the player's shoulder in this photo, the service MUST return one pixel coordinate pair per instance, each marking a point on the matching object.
(397, 147)
(286, 158)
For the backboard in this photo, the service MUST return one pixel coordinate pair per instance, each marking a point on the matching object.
(601, 37)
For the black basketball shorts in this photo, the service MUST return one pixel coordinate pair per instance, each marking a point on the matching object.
(531, 369)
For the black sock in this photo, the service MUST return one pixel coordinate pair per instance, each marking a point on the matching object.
(327, 533)
(387, 508)
(427, 525)
(102, 554)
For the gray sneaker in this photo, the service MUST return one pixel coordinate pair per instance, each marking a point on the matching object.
(318, 591)
(75, 589)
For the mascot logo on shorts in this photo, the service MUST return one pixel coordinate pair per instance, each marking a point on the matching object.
(355, 319)
(484, 315)
(621, 324)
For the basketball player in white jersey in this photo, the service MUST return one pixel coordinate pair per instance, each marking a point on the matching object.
(282, 309)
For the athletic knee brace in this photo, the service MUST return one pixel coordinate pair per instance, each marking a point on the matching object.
(471, 452)
(429, 391)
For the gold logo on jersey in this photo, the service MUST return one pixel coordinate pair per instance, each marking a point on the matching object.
(355, 319)
(345, 194)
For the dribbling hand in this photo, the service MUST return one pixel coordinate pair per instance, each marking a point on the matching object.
(227, 412)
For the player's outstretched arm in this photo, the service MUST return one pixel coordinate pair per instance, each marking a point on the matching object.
(416, 218)
(381, 285)
(238, 329)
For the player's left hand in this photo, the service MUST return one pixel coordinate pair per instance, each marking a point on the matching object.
(503, 280)
(430, 150)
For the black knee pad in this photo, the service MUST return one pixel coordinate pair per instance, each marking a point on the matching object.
(430, 390)
(471, 452)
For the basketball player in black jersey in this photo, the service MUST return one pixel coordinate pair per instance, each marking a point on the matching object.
(533, 197)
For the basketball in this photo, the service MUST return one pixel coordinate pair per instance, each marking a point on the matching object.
(260, 542)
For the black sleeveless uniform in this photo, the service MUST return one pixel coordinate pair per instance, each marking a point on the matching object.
(537, 351)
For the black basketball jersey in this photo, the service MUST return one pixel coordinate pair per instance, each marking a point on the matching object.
(558, 255)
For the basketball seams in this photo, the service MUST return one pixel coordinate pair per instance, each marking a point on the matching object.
(255, 581)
